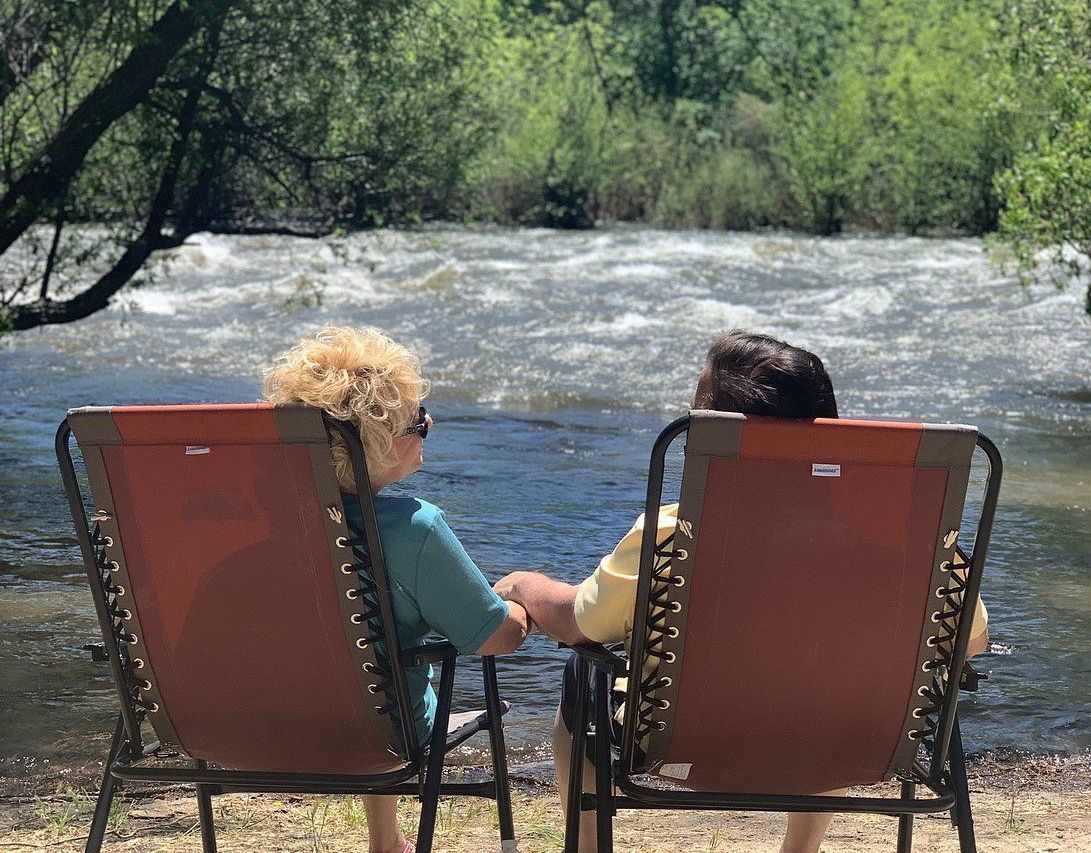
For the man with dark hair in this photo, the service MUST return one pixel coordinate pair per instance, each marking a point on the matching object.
(744, 372)
(759, 375)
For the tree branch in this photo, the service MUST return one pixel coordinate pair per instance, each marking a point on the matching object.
(54, 167)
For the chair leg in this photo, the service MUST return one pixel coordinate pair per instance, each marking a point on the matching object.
(604, 784)
(106, 792)
(575, 773)
(905, 821)
(433, 775)
(961, 813)
(508, 843)
(204, 812)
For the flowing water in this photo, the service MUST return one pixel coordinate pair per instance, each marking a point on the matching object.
(555, 359)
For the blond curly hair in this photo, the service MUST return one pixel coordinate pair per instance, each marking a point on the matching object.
(356, 375)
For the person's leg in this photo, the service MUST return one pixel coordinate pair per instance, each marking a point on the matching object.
(383, 832)
(562, 763)
(807, 829)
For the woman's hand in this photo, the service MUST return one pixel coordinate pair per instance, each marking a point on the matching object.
(509, 635)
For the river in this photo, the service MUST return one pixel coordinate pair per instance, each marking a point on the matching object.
(555, 358)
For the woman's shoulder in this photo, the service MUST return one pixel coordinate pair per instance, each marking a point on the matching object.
(408, 512)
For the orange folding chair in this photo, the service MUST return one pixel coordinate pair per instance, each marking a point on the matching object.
(803, 628)
(245, 623)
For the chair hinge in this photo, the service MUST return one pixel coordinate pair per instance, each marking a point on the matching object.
(970, 678)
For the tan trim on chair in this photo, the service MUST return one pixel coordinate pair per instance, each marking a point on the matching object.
(102, 498)
(93, 425)
(336, 525)
(950, 447)
(946, 445)
(297, 424)
(711, 435)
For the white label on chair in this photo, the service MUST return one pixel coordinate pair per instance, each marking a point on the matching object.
(197, 450)
(676, 771)
(819, 469)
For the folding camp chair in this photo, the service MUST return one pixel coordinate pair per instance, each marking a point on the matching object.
(800, 631)
(244, 622)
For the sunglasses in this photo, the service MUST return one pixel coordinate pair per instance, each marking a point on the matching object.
(420, 425)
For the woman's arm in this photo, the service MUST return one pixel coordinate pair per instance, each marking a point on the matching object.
(511, 633)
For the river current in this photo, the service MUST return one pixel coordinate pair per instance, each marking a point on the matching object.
(555, 358)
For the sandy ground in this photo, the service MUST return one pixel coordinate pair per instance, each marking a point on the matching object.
(1029, 807)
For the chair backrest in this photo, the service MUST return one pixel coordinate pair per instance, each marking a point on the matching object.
(233, 587)
(793, 632)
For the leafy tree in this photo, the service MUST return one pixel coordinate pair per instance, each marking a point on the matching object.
(298, 117)
(1046, 222)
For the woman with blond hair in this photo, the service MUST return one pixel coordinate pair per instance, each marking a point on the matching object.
(363, 377)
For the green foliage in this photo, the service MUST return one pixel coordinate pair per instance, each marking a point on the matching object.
(1046, 222)
(544, 164)
(929, 117)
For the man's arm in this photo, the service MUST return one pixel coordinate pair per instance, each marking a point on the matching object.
(549, 603)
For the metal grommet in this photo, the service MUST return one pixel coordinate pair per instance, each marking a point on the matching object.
(133, 639)
(362, 643)
(913, 735)
(108, 541)
(663, 704)
(341, 542)
(672, 632)
(670, 657)
(678, 580)
(352, 594)
(660, 726)
(126, 614)
(138, 663)
(675, 607)
(153, 707)
(666, 681)
(927, 666)
(373, 688)
(346, 568)
(145, 685)
(369, 667)
(682, 553)
(119, 591)
(936, 616)
(945, 566)
(356, 618)
(918, 713)
(924, 690)
(932, 642)
(941, 591)
(115, 566)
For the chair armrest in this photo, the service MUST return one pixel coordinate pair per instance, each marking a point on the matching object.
(601, 657)
(433, 652)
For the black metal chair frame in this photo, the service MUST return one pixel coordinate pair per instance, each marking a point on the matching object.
(132, 760)
(944, 774)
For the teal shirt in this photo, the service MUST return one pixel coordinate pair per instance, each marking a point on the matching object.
(435, 586)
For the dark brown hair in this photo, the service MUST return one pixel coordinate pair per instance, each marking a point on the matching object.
(759, 375)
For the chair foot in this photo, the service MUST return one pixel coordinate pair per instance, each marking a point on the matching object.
(204, 812)
(961, 814)
(109, 787)
(905, 821)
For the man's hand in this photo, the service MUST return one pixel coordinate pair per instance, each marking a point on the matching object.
(508, 587)
(550, 604)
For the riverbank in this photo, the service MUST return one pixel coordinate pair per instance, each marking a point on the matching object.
(1024, 805)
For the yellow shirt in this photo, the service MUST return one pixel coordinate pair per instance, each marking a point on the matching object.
(605, 602)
